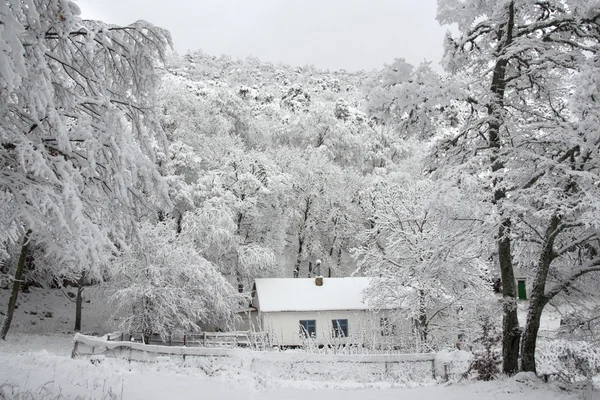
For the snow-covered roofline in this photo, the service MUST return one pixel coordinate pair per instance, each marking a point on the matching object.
(302, 294)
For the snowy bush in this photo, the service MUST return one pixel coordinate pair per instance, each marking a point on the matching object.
(10, 391)
(168, 288)
(486, 354)
(568, 360)
(580, 325)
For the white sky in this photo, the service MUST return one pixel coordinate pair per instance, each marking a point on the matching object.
(334, 34)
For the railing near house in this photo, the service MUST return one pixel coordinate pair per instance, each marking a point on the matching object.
(253, 340)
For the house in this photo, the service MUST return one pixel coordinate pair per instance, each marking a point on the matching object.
(522, 285)
(320, 311)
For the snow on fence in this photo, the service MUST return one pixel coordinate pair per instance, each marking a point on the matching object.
(254, 340)
(400, 368)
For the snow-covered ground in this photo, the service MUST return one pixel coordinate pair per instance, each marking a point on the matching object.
(549, 322)
(51, 311)
(41, 366)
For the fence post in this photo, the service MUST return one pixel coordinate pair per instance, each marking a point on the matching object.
(74, 352)
(204, 340)
(433, 368)
(445, 377)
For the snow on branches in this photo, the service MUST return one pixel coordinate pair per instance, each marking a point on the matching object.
(165, 286)
(77, 127)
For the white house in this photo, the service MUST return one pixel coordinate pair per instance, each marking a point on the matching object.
(321, 311)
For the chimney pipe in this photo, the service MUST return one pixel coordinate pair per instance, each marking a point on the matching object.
(319, 278)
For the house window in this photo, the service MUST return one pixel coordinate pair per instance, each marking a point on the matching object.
(387, 327)
(308, 328)
(340, 327)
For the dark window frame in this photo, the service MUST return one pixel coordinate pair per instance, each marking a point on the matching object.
(339, 328)
(308, 328)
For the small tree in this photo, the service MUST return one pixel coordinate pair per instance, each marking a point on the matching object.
(417, 248)
(487, 357)
(166, 287)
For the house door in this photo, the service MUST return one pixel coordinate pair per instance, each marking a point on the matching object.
(522, 289)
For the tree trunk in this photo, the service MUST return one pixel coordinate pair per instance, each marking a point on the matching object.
(532, 327)
(511, 333)
(302, 235)
(12, 302)
(422, 322)
(146, 326)
(510, 324)
(79, 303)
(179, 222)
(298, 256)
(538, 300)
(240, 282)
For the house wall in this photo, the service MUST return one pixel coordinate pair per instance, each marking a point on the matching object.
(248, 321)
(363, 327)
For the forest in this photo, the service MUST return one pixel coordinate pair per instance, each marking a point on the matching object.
(175, 181)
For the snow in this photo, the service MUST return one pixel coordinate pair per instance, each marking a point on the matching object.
(549, 321)
(452, 362)
(50, 311)
(40, 365)
(302, 294)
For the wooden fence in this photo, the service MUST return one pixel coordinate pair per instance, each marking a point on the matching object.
(253, 340)
(372, 366)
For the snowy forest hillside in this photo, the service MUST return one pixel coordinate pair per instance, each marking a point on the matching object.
(174, 181)
(290, 156)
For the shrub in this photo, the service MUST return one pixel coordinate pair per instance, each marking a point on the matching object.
(486, 357)
(570, 361)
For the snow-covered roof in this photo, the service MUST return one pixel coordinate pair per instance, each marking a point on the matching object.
(302, 294)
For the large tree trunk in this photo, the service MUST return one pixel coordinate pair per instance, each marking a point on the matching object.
(12, 302)
(511, 333)
(534, 314)
(538, 300)
(510, 324)
(79, 303)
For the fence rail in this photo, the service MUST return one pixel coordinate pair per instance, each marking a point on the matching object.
(256, 340)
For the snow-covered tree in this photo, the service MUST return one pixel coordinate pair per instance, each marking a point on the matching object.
(164, 286)
(415, 101)
(77, 128)
(521, 62)
(425, 261)
(239, 224)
